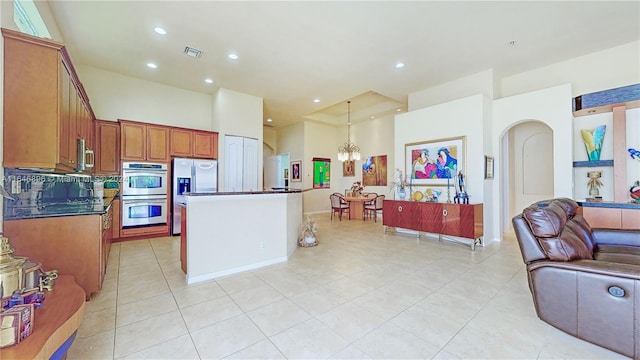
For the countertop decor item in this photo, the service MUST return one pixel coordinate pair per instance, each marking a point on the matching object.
(356, 188)
(594, 182)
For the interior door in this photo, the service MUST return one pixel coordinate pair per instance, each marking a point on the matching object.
(234, 148)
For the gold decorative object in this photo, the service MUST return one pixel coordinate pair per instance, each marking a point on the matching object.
(11, 271)
(594, 182)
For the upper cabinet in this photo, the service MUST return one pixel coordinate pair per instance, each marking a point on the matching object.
(107, 138)
(205, 144)
(144, 142)
(157, 143)
(194, 143)
(46, 110)
(181, 142)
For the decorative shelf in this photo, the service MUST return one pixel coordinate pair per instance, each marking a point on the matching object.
(593, 163)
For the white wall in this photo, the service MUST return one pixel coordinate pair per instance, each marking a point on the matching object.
(319, 141)
(480, 83)
(237, 114)
(551, 106)
(374, 137)
(114, 96)
(602, 70)
(291, 140)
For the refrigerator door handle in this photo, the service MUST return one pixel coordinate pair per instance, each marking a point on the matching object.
(206, 167)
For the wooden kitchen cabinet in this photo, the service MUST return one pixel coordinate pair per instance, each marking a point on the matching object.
(205, 144)
(133, 141)
(115, 233)
(143, 142)
(194, 143)
(74, 245)
(181, 142)
(41, 92)
(107, 237)
(157, 143)
(107, 134)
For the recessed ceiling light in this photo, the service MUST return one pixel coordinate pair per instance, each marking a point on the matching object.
(372, 117)
(152, 65)
(269, 120)
(233, 56)
(316, 100)
(160, 31)
(208, 81)
(398, 110)
(399, 65)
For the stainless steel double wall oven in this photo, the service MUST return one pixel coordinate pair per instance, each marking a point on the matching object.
(144, 194)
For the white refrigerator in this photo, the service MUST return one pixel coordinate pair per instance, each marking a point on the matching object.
(190, 176)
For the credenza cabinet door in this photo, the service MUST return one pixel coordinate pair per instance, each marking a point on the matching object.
(402, 214)
(463, 220)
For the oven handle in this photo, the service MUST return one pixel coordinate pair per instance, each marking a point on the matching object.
(146, 201)
(144, 171)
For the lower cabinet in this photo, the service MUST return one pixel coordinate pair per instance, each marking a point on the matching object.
(611, 218)
(461, 220)
(74, 245)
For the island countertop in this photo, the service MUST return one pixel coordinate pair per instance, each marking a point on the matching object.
(609, 204)
(278, 191)
(227, 233)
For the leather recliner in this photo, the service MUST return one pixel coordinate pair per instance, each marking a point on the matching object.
(584, 281)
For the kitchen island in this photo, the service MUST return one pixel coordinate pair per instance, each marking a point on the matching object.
(227, 233)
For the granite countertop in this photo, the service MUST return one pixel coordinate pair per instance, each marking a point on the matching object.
(609, 204)
(88, 206)
(283, 191)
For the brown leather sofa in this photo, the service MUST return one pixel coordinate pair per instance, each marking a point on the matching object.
(584, 281)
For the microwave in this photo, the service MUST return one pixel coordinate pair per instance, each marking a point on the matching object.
(83, 153)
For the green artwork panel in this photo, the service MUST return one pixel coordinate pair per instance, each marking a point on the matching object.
(321, 174)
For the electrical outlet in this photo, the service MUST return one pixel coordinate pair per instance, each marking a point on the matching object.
(262, 245)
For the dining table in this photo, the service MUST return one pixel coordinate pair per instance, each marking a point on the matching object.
(356, 204)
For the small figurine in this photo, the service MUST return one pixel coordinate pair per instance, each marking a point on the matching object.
(461, 193)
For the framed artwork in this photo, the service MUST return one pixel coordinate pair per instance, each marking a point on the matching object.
(435, 162)
(348, 168)
(321, 173)
(374, 171)
(488, 167)
(296, 170)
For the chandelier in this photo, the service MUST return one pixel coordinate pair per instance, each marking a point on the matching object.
(348, 151)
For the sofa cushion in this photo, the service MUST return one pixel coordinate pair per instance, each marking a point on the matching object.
(545, 221)
(558, 241)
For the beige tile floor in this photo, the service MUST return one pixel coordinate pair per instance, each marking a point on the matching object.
(360, 294)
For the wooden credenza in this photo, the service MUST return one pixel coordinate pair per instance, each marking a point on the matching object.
(459, 220)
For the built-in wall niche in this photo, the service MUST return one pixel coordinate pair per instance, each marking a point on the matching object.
(617, 170)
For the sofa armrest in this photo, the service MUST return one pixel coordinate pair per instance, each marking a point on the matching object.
(628, 271)
(616, 237)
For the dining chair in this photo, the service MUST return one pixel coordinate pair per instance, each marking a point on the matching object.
(338, 205)
(372, 207)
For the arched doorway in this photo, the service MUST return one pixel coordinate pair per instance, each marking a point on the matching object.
(527, 169)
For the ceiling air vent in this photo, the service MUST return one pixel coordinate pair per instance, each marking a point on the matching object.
(195, 53)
